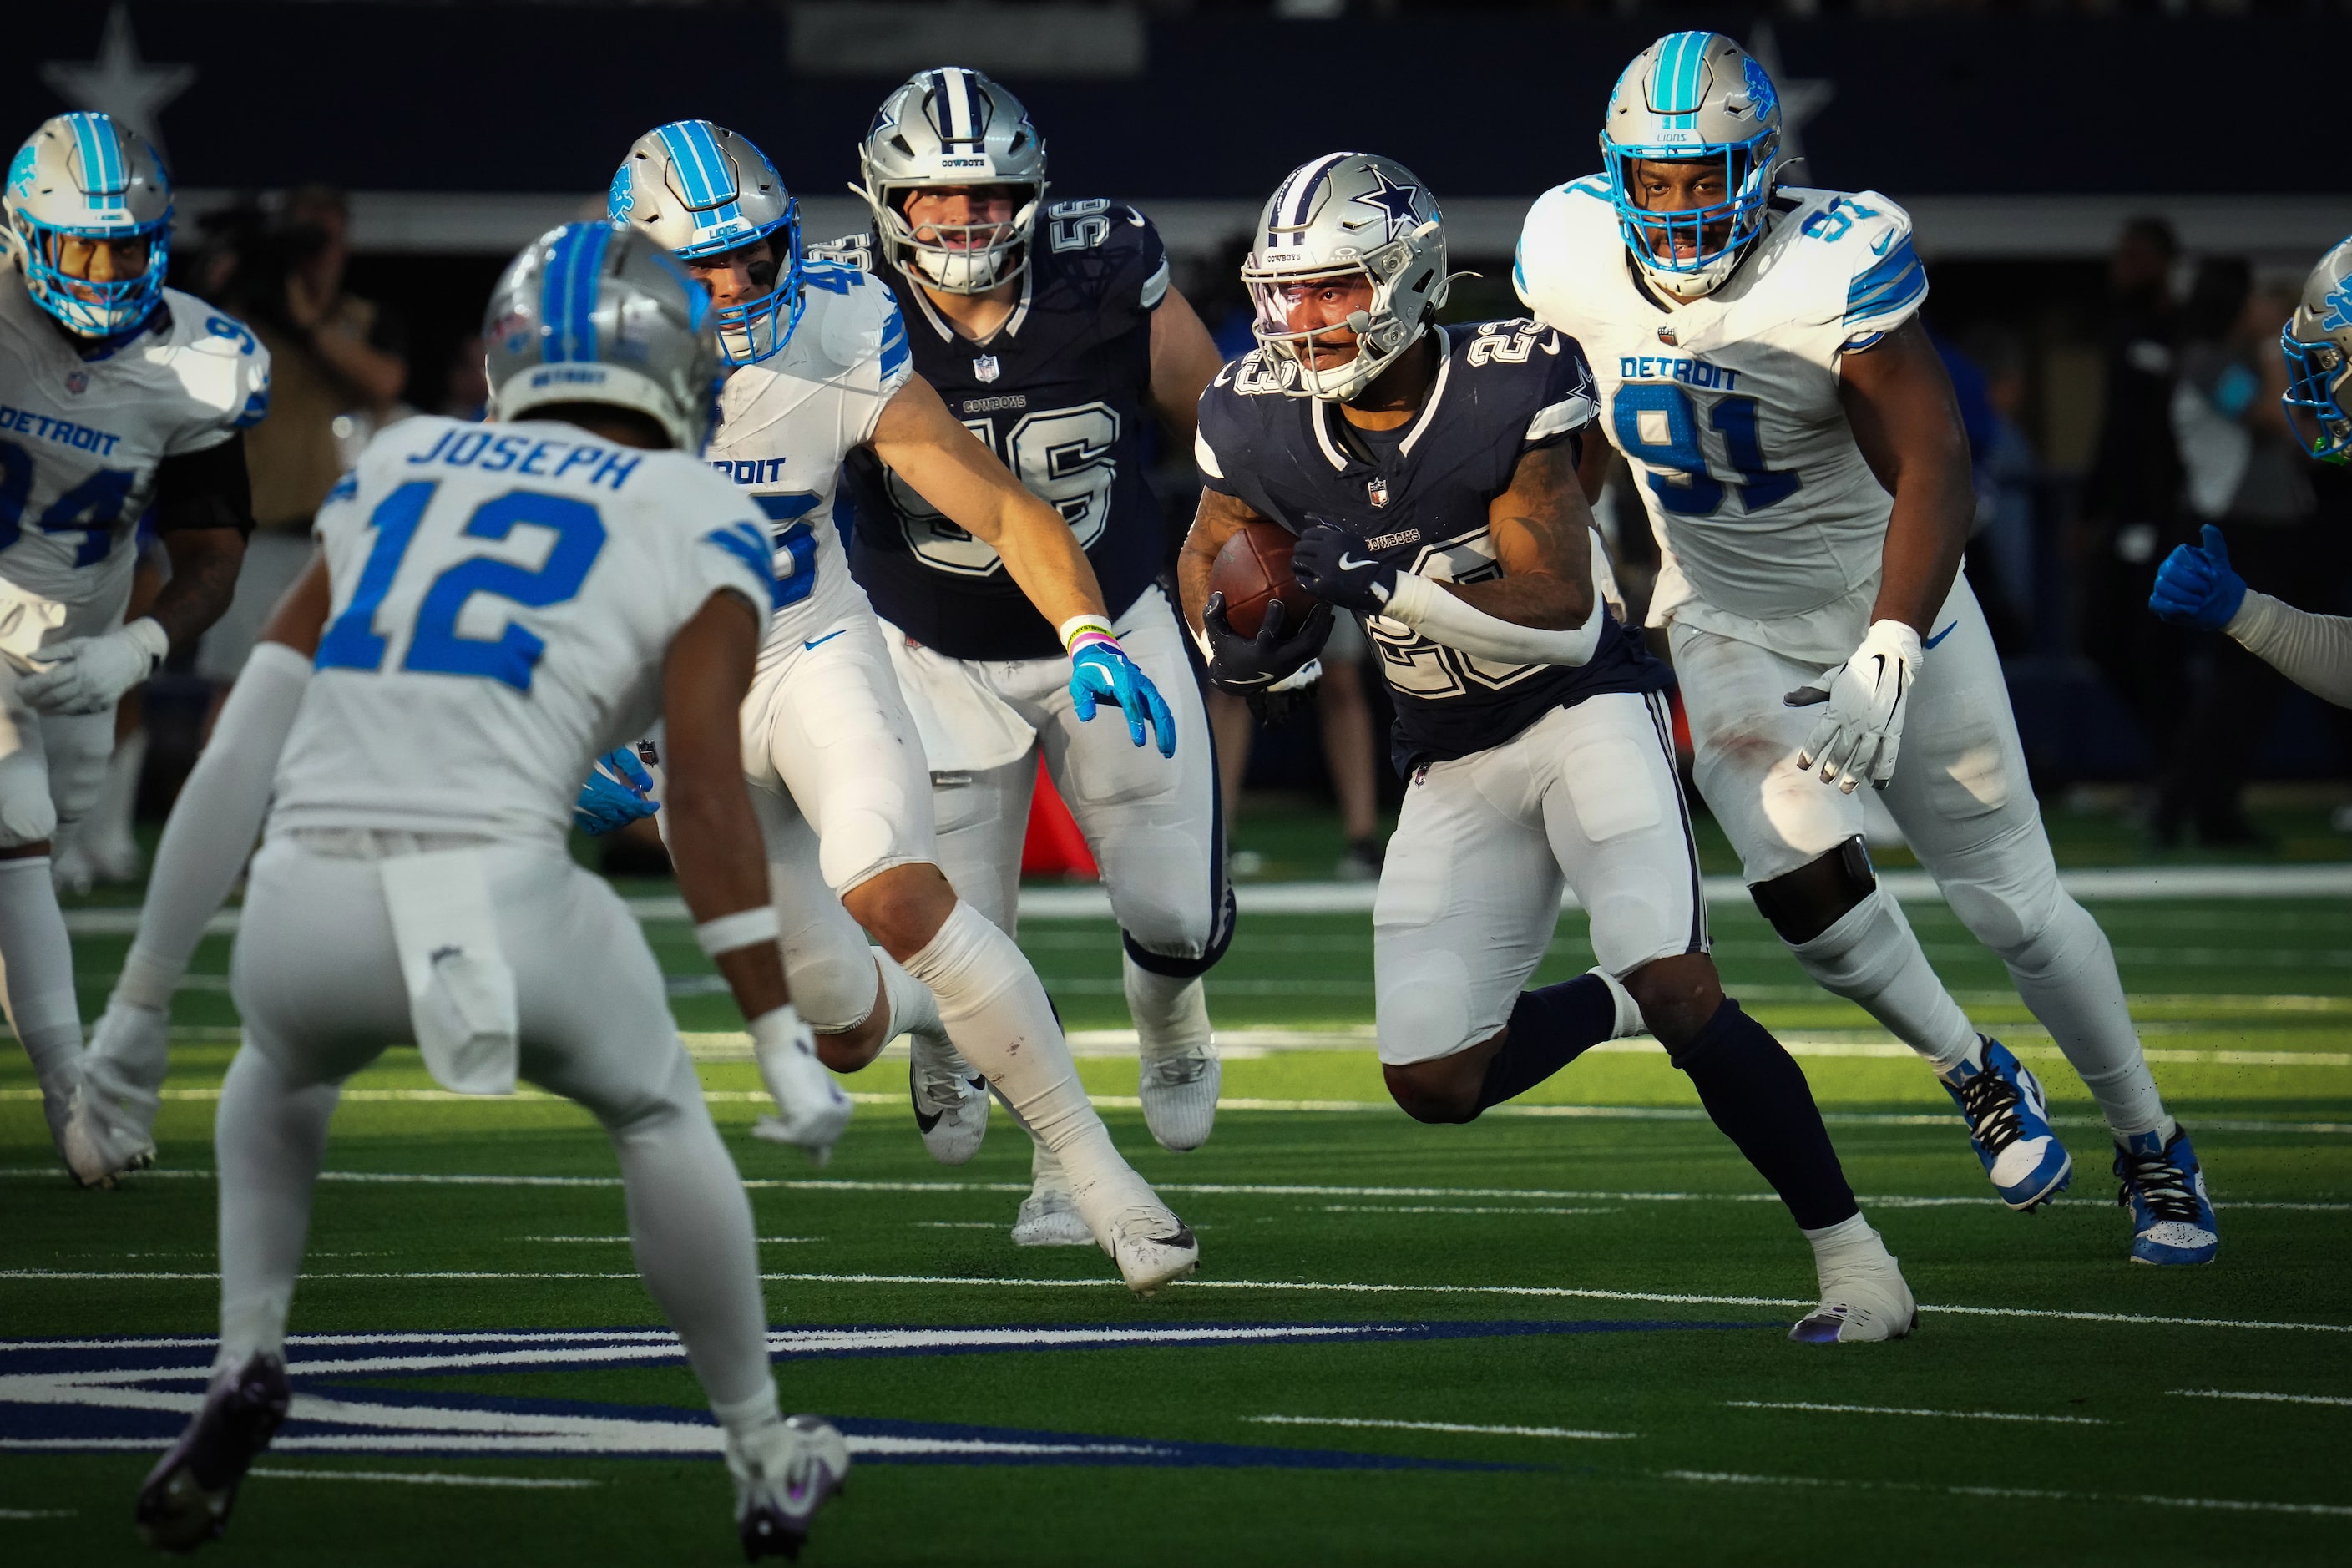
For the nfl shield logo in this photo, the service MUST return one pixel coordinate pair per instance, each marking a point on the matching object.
(1379, 491)
(78, 382)
(985, 367)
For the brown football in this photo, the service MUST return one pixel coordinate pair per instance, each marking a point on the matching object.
(1252, 572)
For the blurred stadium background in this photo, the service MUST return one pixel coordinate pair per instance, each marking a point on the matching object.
(2106, 261)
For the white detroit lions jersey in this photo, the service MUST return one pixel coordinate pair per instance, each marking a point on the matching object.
(503, 598)
(1727, 407)
(786, 423)
(80, 438)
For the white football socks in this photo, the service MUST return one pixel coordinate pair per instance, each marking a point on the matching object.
(37, 978)
(268, 1142)
(1171, 1013)
(1871, 958)
(2067, 977)
(997, 1012)
(913, 1008)
(1852, 1239)
(105, 828)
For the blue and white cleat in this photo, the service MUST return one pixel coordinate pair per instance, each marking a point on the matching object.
(187, 1496)
(2008, 1122)
(2164, 1187)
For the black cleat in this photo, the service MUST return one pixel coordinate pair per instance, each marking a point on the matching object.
(187, 1496)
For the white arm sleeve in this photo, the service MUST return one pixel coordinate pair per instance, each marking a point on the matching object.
(2313, 651)
(1425, 607)
(214, 823)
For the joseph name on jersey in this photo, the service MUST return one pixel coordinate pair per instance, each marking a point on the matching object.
(1727, 407)
(504, 595)
(786, 423)
(80, 438)
(1059, 394)
(1417, 498)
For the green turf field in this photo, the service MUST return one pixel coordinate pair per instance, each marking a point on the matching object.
(1551, 1337)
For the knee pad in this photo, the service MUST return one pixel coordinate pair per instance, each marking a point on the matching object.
(2007, 892)
(1807, 902)
(1425, 1013)
(1221, 936)
(27, 815)
(857, 845)
(832, 975)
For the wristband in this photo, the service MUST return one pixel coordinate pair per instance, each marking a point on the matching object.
(744, 928)
(147, 981)
(777, 1029)
(1088, 627)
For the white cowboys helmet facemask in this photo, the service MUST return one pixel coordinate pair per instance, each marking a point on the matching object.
(595, 312)
(86, 178)
(1690, 97)
(1356, 216)
(698, 191)
(2317, 343)
(952, 128)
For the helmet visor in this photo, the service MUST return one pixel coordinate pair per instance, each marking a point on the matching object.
(1315, 318)
(2317, 378)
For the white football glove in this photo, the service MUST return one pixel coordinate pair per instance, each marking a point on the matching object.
(1860, 733)
(89, 675)
(811, 1110)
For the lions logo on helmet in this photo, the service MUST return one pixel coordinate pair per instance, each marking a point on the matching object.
(85, 178)
(698, 191)
(1347, 215)
(594, 313)
(945, 128)
(1686, 98)
(2317, 343)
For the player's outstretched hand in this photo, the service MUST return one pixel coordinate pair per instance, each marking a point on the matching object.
(2196, 588)
(1243, 666)
(618, 792)
(1858, 737)
(1334, 566)
(89, 675)
(1101, 671)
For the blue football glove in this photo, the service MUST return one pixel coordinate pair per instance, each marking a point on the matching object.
(1101, 671)
(2196, 587)
(1335, 566)
(618, 792)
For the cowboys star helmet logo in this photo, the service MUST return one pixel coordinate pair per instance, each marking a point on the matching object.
(1395, 202)
(985, 368)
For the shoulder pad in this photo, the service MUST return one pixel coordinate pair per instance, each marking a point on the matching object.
(1862, 245)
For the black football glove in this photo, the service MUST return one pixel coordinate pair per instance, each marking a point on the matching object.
(1243, 665)
(1334, 565)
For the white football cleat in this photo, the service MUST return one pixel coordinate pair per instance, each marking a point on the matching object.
(1864, 1298)
(111, 1127)
(783, 1474)
(811, 1109)
(950, 1100)
(1048, 1218)
(1152, 1247)
(1180, 1095)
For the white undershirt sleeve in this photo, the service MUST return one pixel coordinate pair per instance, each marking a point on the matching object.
(2313, 651)
(215, 822)
(1425, 607)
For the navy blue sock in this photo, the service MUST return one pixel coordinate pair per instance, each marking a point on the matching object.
(1755, 1091)
(1550, 1028)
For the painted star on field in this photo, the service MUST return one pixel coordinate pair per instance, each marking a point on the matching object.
(1395, 204)
(118, 82)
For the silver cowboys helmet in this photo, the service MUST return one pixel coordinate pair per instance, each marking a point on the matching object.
(1688, 97)
(699, 191)
(1352, 216)
(593, 312)
(2317, 341)
(84, 177)
(952, 127)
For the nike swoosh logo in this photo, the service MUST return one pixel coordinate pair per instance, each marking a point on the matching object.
(1349, 563)
(1939, 637)
(828, 637)
(1884, 241)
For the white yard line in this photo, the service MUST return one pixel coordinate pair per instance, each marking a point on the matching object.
(420, 1477)
(1903, 1410)
(2233, 1505)
(2267, 1398)
(1434, 1426)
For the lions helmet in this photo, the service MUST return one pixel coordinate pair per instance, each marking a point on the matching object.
(1688, 97)
(699, 191)
(952, 127)
(1347, 215)
(2317, 341)
(593, 312)
(83, 176)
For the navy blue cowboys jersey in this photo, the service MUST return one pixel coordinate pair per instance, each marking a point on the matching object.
(1059, 395)
(1417, 498)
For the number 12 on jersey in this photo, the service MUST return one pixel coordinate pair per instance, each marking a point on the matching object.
(1656, 423)
(434, 646)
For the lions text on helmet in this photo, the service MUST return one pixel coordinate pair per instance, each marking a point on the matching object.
(1692, 143)
(711, 199)
(89, 217)
(954, 173)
